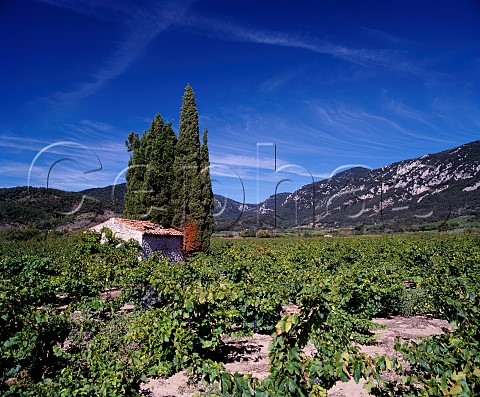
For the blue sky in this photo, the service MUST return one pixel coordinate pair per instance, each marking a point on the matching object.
(332, 84)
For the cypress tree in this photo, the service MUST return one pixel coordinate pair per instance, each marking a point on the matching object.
(207, 193)
(160, 152)
(135, 200)
(168, 180)
(188, 183)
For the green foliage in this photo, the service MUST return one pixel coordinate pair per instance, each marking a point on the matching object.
(150, 173)
(46, 209)
(442, 365)
(187, 167)
(207, 194)
(193, 200)
(62, 334)
(168, 181)
(134, 201)
(159, 177)
(263, 233)
(405, 301)
(295, 373)
(248, 233)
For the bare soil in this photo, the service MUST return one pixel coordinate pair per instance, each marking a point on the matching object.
(250, 355)
(405, 328)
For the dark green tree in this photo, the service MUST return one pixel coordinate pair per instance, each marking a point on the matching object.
(168, 180)
(135, 200)
(160, 153)
(188, 181)
(207, 193)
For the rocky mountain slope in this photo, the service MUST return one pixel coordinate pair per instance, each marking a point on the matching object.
(434, 187)
(431, 188)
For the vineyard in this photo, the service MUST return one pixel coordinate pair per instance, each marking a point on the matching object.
(80, 318)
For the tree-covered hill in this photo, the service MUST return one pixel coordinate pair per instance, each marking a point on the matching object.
(52, 208)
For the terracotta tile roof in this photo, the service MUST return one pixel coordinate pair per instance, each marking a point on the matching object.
(148, 227)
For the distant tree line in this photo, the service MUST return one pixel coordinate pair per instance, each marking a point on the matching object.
(168, 179)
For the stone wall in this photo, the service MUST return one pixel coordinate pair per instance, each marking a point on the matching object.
(120, 230)
(168, 246)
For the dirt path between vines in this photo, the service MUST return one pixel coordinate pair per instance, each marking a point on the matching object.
(250, 355)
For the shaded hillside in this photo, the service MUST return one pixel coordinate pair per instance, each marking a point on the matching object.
(42, 208)
(114, 194)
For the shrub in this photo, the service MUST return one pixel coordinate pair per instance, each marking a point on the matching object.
(264, 233)
(248, 233)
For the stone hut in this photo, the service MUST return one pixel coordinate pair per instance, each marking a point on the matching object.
(152, 237)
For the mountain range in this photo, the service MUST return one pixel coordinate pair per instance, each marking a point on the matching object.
(432, 188)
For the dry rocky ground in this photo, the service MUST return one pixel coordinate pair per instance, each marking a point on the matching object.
(250, 355)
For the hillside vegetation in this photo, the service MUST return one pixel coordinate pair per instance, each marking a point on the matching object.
(50, 208)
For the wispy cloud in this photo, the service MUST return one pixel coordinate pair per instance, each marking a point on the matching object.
(258, 176)
(326, 135)
(354, 125)
(102, 136)
(393, 125)
(387, 58)
(142, 22)
(95, 125)
(408, 112)
(382, 36)
(447, 120)
(146, 20)
(76, 138)
(69, 174)
(252, 167)
(277, 81)
(105, 10)
(13, 169)
(21, 143)
(463, 116)
(244, 161)
(85, 146)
